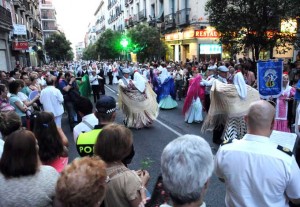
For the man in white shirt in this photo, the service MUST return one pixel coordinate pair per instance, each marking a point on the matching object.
(256, 171)
(52, 100)
(85, 109)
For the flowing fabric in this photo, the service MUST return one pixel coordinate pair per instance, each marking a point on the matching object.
(140, 108)
(195, 90)
(139, 82)
(84, 86)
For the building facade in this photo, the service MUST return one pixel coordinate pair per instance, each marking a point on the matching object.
(79, 50)
(6, 26)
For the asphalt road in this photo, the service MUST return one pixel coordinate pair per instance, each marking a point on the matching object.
(150, 142)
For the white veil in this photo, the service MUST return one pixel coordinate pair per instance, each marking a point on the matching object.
(240, 85)
(139, 82)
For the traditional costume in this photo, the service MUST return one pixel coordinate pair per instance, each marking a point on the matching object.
(84, 86)
(282, 106)
(166, 90)
(193, 107)
(137, 101)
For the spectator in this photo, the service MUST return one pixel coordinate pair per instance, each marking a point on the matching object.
(90, 191)
(52, 100)
(24, 182)
(4, 102)
(26, 90)
(51, 140)
(115, 145)
(16, 102)
(186, 166)
(85, 109)
(106, 114)
(245, 164)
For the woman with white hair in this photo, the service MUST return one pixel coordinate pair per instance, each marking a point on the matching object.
(187, 165)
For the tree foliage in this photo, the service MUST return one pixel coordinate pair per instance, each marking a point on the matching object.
(58, 47)
(252, 24)
(90, 52)
(146, 42)
(108, 45)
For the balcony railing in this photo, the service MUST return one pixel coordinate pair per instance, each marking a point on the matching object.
(17, 3)
(169, 21)
(50, 28)
(142, 15)
(111, 4)
(135, 19)
(36, 25)
(5, 19)
(183, 16)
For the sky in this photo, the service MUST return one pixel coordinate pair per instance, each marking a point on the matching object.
(74, 17)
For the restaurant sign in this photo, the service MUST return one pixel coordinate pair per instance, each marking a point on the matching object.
(20, 45)
(204, 33)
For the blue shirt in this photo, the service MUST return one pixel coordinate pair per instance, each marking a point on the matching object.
(12, 100)
(297, 94)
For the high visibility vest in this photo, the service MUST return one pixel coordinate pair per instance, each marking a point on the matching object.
(86, 141)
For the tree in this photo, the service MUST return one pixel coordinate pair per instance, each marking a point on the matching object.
(90, 52)
(146, 42)
(252, 24)
(108, 46)
(58, 47)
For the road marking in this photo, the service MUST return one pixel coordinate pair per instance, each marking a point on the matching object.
(110, 89)
(172, 130)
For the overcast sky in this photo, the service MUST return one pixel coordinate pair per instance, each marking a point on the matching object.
(74, 17)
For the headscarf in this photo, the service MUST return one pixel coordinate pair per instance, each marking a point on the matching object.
(240, 85)
(163, 75)
(139, 82)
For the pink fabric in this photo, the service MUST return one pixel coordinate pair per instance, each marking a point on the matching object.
(59, 163)
(195, 90)
(281, 125)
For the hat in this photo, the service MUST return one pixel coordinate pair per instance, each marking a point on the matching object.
(126, 70)
(106, 104)
(223, 68)
(212, 67)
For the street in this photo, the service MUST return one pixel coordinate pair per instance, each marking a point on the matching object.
(150, 142)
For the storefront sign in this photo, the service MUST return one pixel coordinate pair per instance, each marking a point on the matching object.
(283, 52)
(210, 49)
(19, 29)
(206, 33)
(20, 46)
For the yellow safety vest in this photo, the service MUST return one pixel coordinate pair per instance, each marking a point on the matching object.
(86, 141)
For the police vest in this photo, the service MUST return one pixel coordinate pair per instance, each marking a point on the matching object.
(86, 141)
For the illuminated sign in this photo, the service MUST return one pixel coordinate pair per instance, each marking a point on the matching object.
(180, 35)
(20, 46)
(288, 26)
(206, 33)
(210, 49)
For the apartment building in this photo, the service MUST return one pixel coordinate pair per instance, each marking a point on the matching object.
(48, 17)
(6, 26)
(101, 17)
(79, 50)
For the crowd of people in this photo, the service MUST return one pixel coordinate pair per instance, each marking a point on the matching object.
(34, 169)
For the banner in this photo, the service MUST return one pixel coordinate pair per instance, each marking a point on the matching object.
(269, 78)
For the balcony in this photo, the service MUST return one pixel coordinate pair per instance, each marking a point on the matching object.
(169, 21)
(111, 4)
(22, 8)
(17, 3)
(53, 28)
(183, 17)
(142, 15)
(135, 19)
(36, 25)
(5, 19)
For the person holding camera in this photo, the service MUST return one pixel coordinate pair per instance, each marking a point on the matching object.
(94, 81)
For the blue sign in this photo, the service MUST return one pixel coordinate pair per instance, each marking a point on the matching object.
(269, 78)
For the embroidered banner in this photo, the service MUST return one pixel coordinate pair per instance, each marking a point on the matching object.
(269, 78)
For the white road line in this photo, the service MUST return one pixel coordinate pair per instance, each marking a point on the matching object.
(110, 89)
(172, 130)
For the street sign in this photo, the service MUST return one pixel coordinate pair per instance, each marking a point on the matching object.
(20, 45)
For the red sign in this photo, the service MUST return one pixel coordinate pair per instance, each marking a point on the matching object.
(20, 46)
(206, 33)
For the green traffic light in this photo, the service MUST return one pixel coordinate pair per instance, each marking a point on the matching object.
(124, 43)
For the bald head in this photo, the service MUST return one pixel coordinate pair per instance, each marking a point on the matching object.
(260, 118)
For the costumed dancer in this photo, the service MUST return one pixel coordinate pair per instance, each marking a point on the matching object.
(137, 101)
(211, 77)
(84, 85)
(282, 106)
(193, 104)
(228, 107)
(166, 94)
